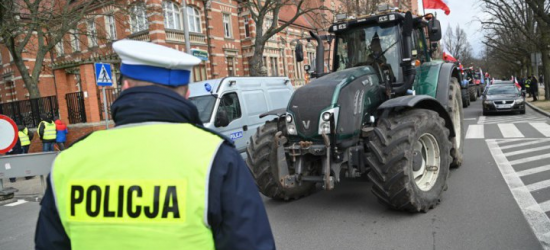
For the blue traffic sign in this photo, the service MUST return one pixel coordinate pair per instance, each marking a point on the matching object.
(103, 74)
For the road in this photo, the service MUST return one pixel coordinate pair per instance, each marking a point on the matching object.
(498, 199)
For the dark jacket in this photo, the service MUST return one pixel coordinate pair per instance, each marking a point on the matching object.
(17, 149)
(41, 128)
(534, 85)
(231, 187)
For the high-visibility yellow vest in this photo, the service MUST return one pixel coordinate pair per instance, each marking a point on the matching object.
(140, 187)
(49, 130)
(527, 83)
(24, 137)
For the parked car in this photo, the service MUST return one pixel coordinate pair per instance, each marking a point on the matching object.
(503, 98)
(232, 105)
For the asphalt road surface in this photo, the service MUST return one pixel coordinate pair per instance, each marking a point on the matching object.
(498, 199)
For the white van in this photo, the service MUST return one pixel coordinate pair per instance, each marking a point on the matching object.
(232, 105)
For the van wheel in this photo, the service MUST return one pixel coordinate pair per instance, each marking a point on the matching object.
(262, 162)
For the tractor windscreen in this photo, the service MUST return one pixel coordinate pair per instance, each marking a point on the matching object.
(370, 46)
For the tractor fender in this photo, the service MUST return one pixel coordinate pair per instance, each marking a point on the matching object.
(447, 71)
(277, 112)
(422, 102)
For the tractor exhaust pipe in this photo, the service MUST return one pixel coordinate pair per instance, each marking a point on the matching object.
(409, 72)
(319, 55)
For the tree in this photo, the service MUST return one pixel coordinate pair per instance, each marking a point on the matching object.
(542, 13)
(456, 43)
(265, 13)
(34, 27)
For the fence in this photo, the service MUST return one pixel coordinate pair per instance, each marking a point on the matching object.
(75, 107)
(111, 94)
(28, 112)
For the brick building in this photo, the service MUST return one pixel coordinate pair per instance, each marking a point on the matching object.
(221, 31)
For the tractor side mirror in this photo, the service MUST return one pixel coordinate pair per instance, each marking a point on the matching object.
(307, 68)
(434, 30)
(221, 119)
(299, 52)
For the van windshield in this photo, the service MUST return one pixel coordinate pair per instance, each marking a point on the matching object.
(205, 105)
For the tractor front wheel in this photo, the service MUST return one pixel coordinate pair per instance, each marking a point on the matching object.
(410, 160)
(262, 162)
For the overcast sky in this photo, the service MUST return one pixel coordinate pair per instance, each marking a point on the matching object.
(464, 13)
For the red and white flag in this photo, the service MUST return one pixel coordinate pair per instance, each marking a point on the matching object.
(437, 4)
(448, 57)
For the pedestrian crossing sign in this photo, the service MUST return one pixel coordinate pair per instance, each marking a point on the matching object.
(103, 74)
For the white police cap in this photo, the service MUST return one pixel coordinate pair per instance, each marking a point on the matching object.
(154, 63)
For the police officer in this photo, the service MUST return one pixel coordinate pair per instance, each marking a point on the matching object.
(47, 133)
(159, 180)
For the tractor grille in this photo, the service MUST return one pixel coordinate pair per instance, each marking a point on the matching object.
(307, 103)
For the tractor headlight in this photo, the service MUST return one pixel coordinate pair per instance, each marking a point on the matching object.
(324, 120)
(290, 126)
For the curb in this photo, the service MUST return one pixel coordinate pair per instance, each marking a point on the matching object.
(538, 109)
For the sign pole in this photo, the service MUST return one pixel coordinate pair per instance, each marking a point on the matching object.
(105, 108)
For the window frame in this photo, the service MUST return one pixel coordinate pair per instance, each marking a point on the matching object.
(227, 26)
(59, 48)
(172, 10)
(246, 27)
(230, 72)
(194, 15)
(92, 33)
(110, 25)
(138, 20)
(75, 42)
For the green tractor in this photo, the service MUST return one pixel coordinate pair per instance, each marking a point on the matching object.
(387, 111)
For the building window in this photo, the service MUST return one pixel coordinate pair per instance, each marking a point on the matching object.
(230, 65)
(246, 27)
(172, 16)
(59, 48)
(92, 33)
(138, 18)
(75, 43)
(227, 25)
(274, 67)
(194, 18)
(199, 73)
(110, 25)
(268, 23)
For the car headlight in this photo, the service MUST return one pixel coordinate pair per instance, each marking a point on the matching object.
(519, 101)
(488, 102)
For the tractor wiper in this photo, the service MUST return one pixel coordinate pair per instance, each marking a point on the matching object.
(384, 52)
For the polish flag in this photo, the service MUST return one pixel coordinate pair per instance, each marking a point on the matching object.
(437, 4)
(448, 57)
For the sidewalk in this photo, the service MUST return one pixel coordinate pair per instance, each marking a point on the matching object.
(30, 190)
(542, 106)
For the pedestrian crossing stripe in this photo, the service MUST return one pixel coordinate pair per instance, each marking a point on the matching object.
(511, 119)
(507, 130)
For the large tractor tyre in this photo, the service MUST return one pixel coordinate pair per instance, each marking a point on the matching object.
(457, 116)
(262, 162)
(472, 93)
(410, 160)
(465, 98)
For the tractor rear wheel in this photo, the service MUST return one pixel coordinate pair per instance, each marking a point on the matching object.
(457, 116)
(465, 98)
(262, 162)
(410, 160)
(472, 93)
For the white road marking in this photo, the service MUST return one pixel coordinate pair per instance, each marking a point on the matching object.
(509, 130)
(18, 202)
(542, 127)
(523, 144)
(538, 185)
(531, 171)
(475, 132)
(470, 119)
(481, 119)
(530, 159)
(533, 213)
(529, 150)
(545, 206)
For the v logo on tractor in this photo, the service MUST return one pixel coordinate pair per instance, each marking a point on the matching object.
(306, 124)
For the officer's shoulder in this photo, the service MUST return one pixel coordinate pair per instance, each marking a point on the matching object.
(226, 140)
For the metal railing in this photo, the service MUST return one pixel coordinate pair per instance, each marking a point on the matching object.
(112, 94)
(27, 112)
(75, 107)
